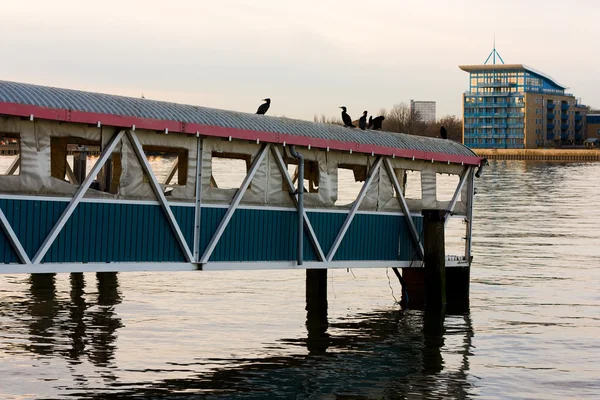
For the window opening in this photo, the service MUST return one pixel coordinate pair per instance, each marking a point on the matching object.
(412, 185)
(169, 164)
(72, 159)
(351, 179)
(311, 174)
(10, 154)
(229, 169)
(445, 186)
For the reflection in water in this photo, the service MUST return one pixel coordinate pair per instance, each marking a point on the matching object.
(391, 353)
(43, 309)
(104, 318)
(85, 323)
(76, 316)
(385, 354)
(317, 341)
(433, 341)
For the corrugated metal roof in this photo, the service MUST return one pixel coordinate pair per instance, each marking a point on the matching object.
(98, 103)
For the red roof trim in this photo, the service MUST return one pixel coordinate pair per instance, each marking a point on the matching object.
(25, 110)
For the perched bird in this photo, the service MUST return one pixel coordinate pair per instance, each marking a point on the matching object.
(346, 118)
(362, 122)
(443, 132)
(264, 107)
(370, 124)
(377, 122)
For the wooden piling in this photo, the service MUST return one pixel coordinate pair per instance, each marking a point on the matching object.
(435, 259)
(79, 165)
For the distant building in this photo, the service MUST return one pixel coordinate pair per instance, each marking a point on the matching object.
(593, 126)
(513, 106)
(425, 108)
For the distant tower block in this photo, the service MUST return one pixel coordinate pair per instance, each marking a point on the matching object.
(426, 110)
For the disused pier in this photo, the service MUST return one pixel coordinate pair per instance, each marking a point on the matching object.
(119, 216)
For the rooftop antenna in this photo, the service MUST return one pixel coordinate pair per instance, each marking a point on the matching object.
(493, 54)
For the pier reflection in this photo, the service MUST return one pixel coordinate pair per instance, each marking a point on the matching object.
(390, 353)
(103, 338)
(43, 308)
(87, 321)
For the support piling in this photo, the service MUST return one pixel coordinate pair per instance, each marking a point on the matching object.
(435, 259)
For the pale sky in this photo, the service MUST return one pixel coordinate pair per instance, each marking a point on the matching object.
(308, 56)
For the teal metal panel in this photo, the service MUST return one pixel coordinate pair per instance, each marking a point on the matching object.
(209, 221)
(257, 235)
(369, 237)
(32, 220)
(7, 253)
(407, 250)
(326, 226)
(113, 232)
(185, 218)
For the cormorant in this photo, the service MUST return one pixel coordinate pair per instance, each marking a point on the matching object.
(443, 132)
(377, 122)
(346, 118)
(362, 122)
(264, 107)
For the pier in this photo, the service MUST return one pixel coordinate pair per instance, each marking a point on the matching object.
(285, 213)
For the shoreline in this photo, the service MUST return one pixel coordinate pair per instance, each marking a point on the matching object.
(540, 154)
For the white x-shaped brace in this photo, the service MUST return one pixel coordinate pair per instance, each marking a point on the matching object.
(106, 153)
(351, 214)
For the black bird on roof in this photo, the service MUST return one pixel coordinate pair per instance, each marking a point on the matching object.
(362, 122)
(264, 107)
(370, 124)
(443, 132)
(346, 118)
(377, 122)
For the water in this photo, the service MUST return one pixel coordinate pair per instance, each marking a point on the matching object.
(531, 331)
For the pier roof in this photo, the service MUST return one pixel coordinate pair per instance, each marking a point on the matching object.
(43, 102)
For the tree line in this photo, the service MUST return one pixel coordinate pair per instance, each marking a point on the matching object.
(402, 119)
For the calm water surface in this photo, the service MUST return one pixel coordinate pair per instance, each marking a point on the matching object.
(532, 330)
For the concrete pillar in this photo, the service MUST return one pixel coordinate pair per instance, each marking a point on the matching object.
(317, 341)
(435, 259)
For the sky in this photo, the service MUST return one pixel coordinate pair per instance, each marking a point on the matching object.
(309, 56)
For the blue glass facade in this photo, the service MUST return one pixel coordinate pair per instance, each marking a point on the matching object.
(495, 109)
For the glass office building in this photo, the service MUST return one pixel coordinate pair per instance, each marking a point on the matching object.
(512, 106)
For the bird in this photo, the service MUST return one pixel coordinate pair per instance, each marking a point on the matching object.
(377, 122)
(362, 122)
(346, 118)
(370, 124)
(264, 107)
(443, 132)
